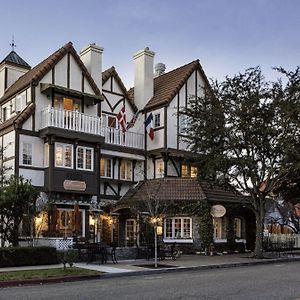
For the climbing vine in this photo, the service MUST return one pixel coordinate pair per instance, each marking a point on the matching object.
(200, 209)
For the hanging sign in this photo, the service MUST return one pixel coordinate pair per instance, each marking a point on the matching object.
(218, 211)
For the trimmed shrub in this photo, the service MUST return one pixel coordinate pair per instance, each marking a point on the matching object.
(27, 256)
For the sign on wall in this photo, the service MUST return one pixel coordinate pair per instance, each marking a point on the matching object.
(74, 185)
(218, 211)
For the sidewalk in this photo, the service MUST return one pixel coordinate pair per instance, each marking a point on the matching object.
(185, 262)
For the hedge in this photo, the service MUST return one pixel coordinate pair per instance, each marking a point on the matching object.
(27, 256)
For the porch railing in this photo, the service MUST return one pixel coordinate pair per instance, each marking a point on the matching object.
(76, 121)
(71, 120)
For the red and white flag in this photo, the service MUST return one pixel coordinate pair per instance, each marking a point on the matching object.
(122, 118)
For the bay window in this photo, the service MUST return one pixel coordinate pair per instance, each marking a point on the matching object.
(63, 155)
(27, 154)
(84, 158)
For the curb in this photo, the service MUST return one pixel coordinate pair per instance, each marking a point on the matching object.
(13, 283)
(198, 268)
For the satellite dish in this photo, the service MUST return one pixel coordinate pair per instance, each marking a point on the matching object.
(41, 201)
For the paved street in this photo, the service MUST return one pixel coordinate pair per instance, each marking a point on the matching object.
(276, 281)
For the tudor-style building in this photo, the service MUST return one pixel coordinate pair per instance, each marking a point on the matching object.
(59, 126)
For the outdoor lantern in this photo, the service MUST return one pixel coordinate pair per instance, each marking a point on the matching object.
(159, 230)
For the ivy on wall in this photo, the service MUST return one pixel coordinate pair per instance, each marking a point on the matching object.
(201, 210)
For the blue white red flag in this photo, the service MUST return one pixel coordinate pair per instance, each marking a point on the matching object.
(150, 126)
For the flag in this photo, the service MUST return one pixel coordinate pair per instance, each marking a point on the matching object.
(149, 123)
(133, 120)
(122, 118)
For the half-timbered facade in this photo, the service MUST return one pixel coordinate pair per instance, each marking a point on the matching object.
(60, 125)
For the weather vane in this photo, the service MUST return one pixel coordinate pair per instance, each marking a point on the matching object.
(13, 45)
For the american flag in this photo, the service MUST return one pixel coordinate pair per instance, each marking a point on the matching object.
(122, 118)
(132, 121)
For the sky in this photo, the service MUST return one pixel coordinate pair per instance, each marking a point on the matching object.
(227, 36)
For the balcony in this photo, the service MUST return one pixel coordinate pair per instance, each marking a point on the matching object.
(75, 121)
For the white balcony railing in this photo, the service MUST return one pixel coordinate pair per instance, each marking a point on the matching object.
(127, 139)
(76, 121)
(71, 120)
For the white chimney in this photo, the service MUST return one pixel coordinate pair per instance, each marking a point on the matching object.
(143, 77)
(91, 56)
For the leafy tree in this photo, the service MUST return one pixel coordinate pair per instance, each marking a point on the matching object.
(16, 199)
(246, 131)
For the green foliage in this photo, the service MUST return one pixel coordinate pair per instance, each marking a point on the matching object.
(206, 229)
(27, 256)
(246, 132)
(16, 199)
(69, 257)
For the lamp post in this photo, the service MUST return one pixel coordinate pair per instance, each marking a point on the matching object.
(155, 221)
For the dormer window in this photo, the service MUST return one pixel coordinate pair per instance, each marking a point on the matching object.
(189, 171)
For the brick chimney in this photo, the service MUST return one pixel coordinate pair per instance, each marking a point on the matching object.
(143, 77)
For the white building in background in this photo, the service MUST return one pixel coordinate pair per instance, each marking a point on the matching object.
(59, 127)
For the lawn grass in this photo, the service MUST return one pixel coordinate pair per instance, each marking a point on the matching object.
(45, 273)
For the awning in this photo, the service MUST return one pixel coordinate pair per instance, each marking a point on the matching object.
(47, 88)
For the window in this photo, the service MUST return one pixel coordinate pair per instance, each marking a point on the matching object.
(237, 228)
(27, 154)
(126, 170)
(130, 232)
(106, 167)
(67, 103)
(63, 155)
(217, 223)
(189, 171)
(84, 160)
(183, 124)
(159, 168)
(46, 155)
(156, 120)
(178, 228)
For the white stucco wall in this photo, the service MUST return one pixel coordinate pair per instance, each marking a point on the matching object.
(37, 150)
(35, 176)
(75, 75)
(61, 72)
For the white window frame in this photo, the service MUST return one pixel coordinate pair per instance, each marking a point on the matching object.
(46, 155)
(24, 146)
(157, 120)
(107, 161)
(181, 238)
(127, 163)
(84, 168)
(63, 145)
(134, 232)
(158, 173)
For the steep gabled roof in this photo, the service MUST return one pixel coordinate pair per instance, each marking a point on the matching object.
(111, 72)
(39, 71)
(167, 85)
(15, 59)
